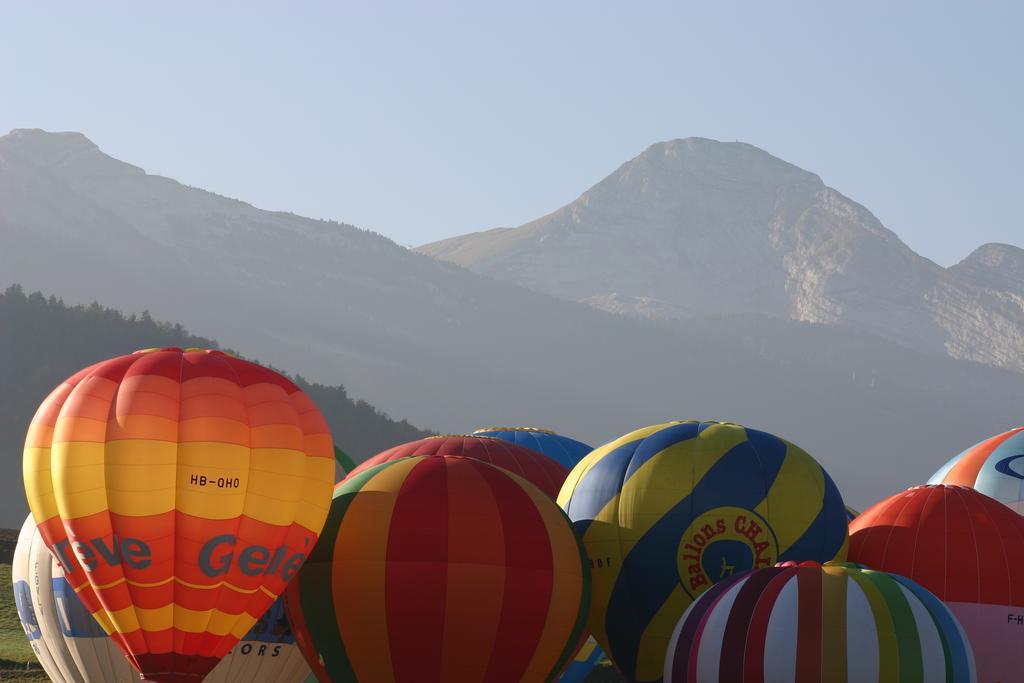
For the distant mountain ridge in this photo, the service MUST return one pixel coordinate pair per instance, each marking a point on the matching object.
(695, 227)
(455, 350)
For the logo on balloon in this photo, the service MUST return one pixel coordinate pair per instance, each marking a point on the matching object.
(1003, 467)
(723, 542)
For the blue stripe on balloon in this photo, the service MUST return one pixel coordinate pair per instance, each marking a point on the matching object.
(829, 524)
(649, 573)
(599, 486)
(660, 440)
(957, 665)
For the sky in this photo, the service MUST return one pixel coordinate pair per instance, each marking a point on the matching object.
(425, 120)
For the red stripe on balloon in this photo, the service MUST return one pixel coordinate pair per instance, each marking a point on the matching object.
(757, 632)
(808, 640)
(528, 578)
(734, 640)
(416, 581)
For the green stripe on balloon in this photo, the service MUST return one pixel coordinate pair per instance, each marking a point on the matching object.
(318, 608)
(579, 629)
(909, 642)
(347, 464)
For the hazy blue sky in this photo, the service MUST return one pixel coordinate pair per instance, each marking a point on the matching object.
(431, 119)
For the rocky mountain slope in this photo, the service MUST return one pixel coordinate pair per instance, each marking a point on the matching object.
(693, 227)
(453, 350)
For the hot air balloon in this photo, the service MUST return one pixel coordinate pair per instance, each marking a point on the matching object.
(851, 514)
(568, 452)
(180, 491)
(966, 548)
(666, 511)
(557, 447)
(818, 624)
(441, 568)
(995, 467)
(72, 647)
(541, 471)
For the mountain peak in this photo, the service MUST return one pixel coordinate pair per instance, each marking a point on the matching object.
(66, 151)
(994, 263)
(735, 159)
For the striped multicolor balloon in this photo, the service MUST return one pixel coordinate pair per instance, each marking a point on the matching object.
(541, 471)
(565, 450)
(807, 623)
(995, 467)
(968, 550)
(668, 510)
(180, 490)
(441, 568)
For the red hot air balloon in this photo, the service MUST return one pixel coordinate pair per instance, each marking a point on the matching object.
(967, 549)
(180, 491)
(541, 471)
(441, 568)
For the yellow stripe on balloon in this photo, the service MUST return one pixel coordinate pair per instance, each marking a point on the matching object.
(661, 482)
(140, 480)
(655, 639)
(158, 618)
(126, 620)
(276, 478)
(196, 459)
(35, 468)
(888, 652)
(834, 587)
(566, 590)
(791, 491)
(212, 621)
(79, 480)
(316, 487)
(104, 621)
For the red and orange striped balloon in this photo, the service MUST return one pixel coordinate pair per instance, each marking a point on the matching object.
(441, 568)
(180, 490)
(545, 473)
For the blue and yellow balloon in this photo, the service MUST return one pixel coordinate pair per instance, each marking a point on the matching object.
(666, 511)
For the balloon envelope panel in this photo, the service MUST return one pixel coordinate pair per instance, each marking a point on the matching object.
(668, 510)
(563, 449)
(811, 624)
(567, 452)
(180, 491)
(536, 468)
(440, 568)
(966, 548)
(77, 649)
(995, 467)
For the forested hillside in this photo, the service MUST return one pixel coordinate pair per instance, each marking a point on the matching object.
(42, 341)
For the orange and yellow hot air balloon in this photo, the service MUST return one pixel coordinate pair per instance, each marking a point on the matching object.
(180, 491)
